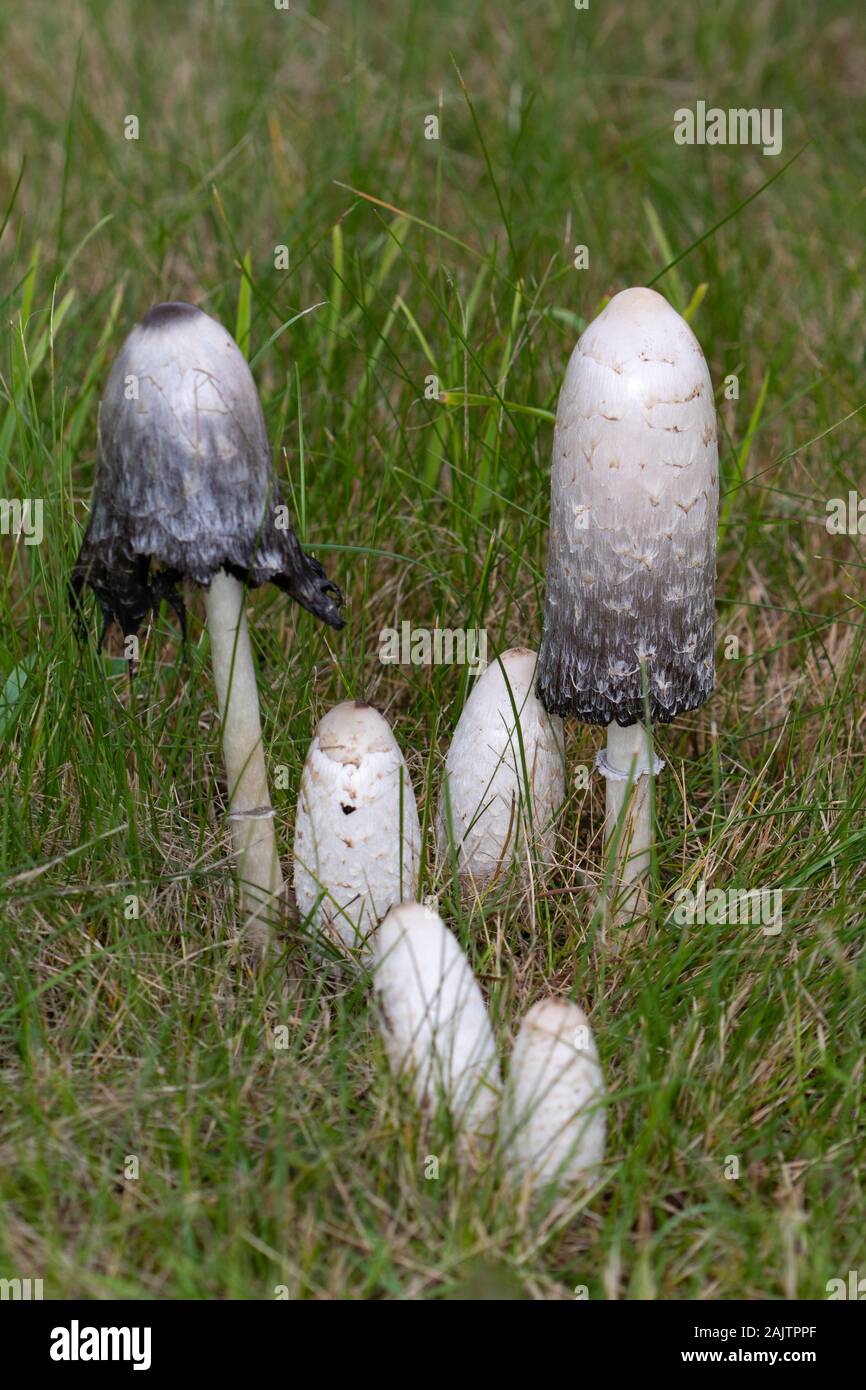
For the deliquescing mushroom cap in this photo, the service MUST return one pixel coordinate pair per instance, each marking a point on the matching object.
(357, 833)
(634, 516)
(185, 483)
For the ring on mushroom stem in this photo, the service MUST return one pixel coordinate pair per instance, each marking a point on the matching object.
(630, 605)
(185, 488)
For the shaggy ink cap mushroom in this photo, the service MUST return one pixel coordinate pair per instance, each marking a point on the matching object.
(434, 1021)
(185, 484)
(185, 488)
(634, 513)
(552, 1122)
(357, 833)
(505, 776)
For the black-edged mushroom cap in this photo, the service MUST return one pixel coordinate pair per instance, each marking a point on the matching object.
(185, 483)
(634, 514)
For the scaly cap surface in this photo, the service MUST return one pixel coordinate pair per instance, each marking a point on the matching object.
(633, 520)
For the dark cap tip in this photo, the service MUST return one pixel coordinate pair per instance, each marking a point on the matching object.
(171, 312)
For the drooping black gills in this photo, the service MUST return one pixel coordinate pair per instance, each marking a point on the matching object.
(185, 484)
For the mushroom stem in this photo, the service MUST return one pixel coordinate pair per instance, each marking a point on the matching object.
(625, 764)
(250, 811)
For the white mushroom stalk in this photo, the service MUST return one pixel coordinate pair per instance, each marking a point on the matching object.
(434, 1021)
(357, 833)
(628, 765)
(629, 614)
(504, 775)
(250, 813)
(552, 1125)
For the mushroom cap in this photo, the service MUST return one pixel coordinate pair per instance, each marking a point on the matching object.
(351, 861)
(487, 774)
(434, 1020)
(633, 520)
(552, 1125)
(185, 480)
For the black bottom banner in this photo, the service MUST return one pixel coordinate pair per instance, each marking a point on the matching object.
(82, 1339)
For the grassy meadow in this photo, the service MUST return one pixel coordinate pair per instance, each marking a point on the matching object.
(175, 1125)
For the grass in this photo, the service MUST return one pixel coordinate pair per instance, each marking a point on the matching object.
(270, 1146)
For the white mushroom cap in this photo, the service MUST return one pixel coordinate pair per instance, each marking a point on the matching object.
(487, 775)
(433, 1018)
(348, 840)
(552, 1125)
(633, 521)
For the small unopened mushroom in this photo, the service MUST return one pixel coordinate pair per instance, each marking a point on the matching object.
(186, 489)
(552, 1125)
(434, 1020)
(504, 774)
(629, 612)
(357, 835)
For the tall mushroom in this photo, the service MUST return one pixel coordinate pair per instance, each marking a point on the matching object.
(185, 488)
(629, 612)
